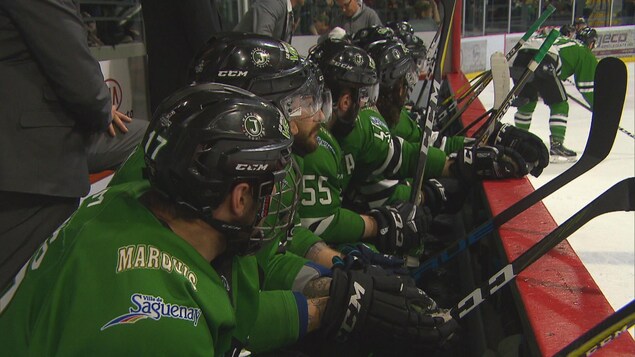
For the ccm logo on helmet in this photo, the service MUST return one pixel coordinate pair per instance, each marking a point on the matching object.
(251, 167)
(232, 73)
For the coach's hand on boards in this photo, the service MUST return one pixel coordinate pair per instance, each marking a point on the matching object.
(400, 227)
(383, 310)
(487, 162)
(528, 145)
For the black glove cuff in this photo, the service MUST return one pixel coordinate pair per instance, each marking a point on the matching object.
(347, 306)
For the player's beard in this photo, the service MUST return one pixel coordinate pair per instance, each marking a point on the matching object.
(390, 104)
(305, 141)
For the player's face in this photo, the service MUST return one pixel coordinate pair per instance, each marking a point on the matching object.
(305, 135)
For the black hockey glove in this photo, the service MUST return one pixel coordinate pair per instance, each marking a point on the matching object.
(359, 256)
(383, 310)
(444, 195)
(487, 162)
(400, 227)
(528, 145)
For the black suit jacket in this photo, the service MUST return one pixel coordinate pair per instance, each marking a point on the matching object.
(52, 95)
(175, 31)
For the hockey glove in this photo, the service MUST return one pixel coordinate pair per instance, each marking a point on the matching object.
(528, 145)
(383, 310)
(487, 162)
(444, 195)
(359, 256)
(400, 227)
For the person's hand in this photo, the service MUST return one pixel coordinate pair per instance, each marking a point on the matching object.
(119, 120)
(487, 162)
(377, 309)
(400, 227)
(528, 145)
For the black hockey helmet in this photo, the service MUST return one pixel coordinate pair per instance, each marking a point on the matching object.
(588, 37)
(404, 31)
(394, 62)
(346, 66)
(204, 139)
(269, 68)
(366, 36)
(401, 27)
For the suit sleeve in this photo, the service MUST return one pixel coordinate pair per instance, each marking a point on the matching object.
(56, 37)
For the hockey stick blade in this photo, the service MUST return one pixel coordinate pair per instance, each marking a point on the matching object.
(620, 197)
(602, 333)
(610, 90)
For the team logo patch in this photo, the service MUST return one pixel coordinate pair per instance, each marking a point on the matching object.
(260, 57)
(153, 307)
(253, 127)
(396, 53)
(325, 144)
(378, 122)
(358, 59)
(371, 62)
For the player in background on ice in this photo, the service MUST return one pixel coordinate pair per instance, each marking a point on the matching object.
(565, 58)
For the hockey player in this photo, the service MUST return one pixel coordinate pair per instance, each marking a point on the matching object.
(566, 57)
(182, 275)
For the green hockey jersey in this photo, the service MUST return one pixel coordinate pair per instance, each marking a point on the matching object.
(114, 281)
(279, 271)
(321, 202)
(574, 59)
(376, 162)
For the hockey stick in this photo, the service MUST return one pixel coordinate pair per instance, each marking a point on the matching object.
(587, 107)
(617, 198)
(500, 76)
(483, 133)
(602, 333)
(430, 62)
(444, 40)
(479, 86)
(610, 89)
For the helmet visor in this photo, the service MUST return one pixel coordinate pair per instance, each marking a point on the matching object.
(307, 102)
(368, 95)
